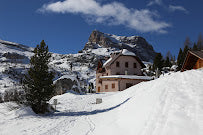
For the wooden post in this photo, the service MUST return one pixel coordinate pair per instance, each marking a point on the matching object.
(55, 103)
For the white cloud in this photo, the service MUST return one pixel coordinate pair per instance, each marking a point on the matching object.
(177, 8)
(114, 13)
(170, 7)
(153, 2)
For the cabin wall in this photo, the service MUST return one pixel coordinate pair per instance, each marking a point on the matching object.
(120, 84)
(99, 81)
(107, 85)
(198, 64)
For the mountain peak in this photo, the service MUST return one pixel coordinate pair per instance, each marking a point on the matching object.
(135, 44)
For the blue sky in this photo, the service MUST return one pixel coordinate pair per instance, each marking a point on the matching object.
(66, 25)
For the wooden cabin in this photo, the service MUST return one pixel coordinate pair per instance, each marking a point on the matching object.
(193, 60)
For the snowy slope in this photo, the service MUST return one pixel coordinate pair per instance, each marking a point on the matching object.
(171, 105)
(14, 59)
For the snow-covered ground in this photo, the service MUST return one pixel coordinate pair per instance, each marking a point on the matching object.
(171, 105)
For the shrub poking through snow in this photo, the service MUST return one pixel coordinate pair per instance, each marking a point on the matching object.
(38, 83)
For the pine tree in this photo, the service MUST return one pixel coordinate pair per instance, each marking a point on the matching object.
(158, 62)
(200, 42)
(173, 60)
(167, 62)
(195, 47)
(187, 42)
(179, 60)
(169, 55)
(186, 49)
(187, 45)
(38, 83)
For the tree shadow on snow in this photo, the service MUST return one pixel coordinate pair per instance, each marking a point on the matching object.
(82, 113)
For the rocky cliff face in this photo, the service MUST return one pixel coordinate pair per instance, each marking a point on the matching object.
(134, 44)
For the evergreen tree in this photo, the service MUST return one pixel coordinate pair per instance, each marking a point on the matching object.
(158, 61)
(180, 60)
(173, 60)
(200, 42)
(186, 49)
(167, 62)
(38, 83)
(195, 47)
(169, 55)
(187, 42)
(187, 45)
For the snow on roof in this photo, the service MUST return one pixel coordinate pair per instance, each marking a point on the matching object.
(107, 62)
(128, 77)
(126, 52)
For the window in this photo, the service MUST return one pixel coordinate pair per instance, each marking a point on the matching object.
(128, 85)
(98, 89)
(117, 64)
(106, 86)
(126, 64)
(135, 65)
(113, 85)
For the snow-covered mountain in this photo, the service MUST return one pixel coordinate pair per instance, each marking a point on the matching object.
(101, 43)
(14, 59)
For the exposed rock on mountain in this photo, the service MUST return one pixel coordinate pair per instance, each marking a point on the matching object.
(62, 85)
(135, 44)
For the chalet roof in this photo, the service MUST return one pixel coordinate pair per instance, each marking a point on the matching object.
(127, 77)
(107, 61)
(124, 52)
(198, 54)
(191, 59)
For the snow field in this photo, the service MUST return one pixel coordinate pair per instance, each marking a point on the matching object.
(170, 105)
